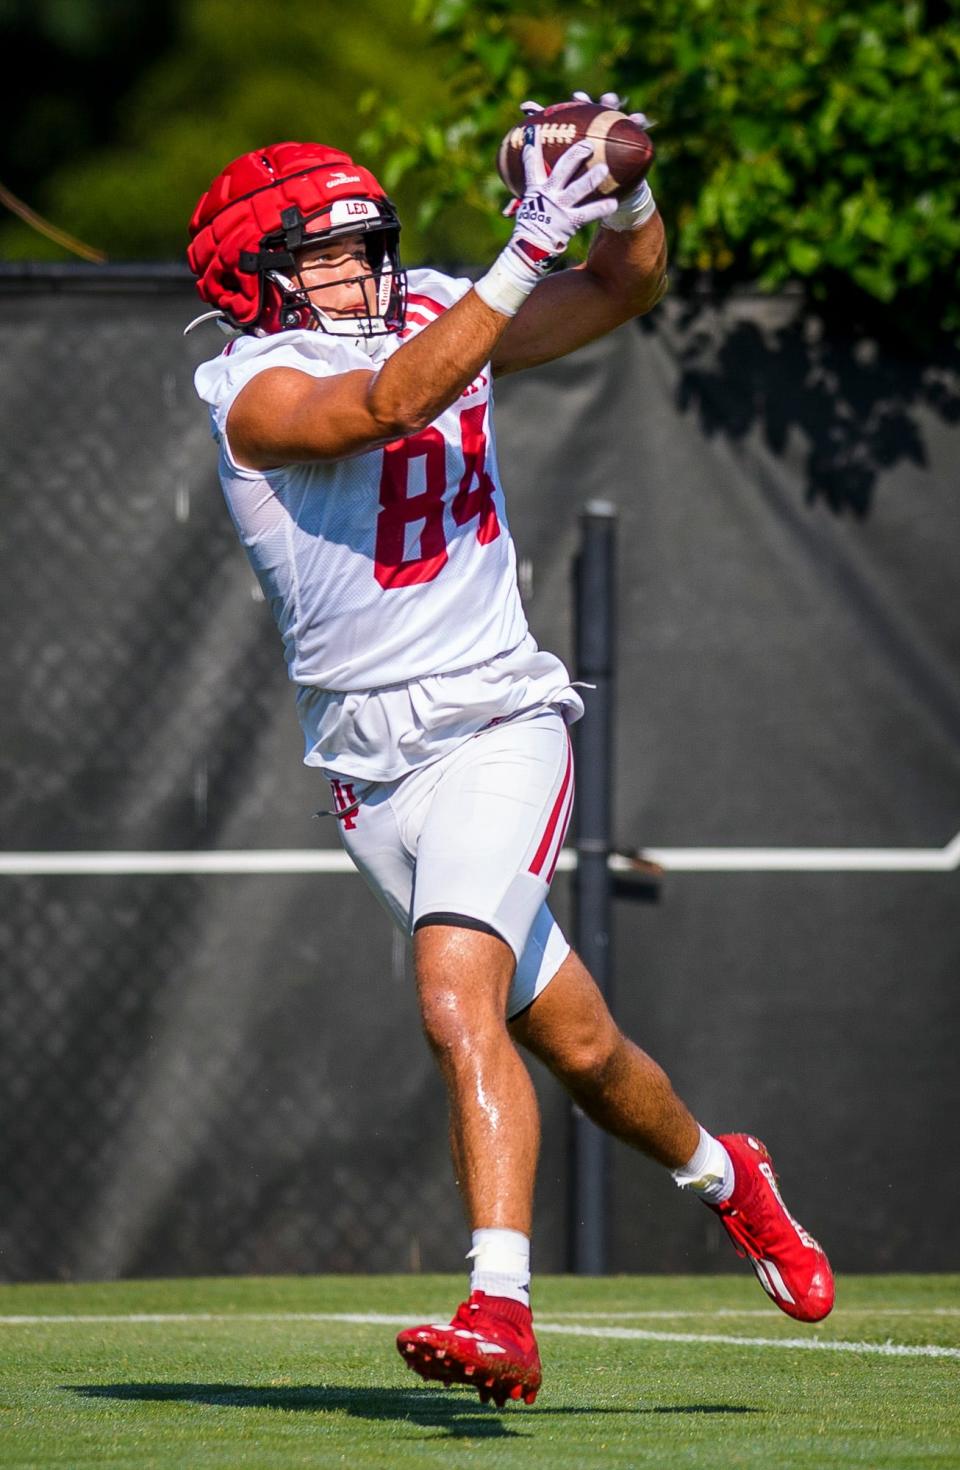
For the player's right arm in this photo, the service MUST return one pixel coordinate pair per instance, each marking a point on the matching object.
(284, 416)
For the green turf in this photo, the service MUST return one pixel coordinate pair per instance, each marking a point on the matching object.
(278, 1392)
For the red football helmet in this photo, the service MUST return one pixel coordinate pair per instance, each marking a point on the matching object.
(266, 206)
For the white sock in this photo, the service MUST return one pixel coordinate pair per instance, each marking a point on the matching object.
(501, 1264)
(709, 1173)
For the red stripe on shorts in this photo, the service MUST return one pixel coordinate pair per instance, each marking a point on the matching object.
(564, 824)
(540, 856)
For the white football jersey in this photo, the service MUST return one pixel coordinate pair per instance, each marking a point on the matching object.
(389, 566)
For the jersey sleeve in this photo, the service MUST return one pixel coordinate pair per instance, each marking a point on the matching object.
(318, 354)
(436, 286)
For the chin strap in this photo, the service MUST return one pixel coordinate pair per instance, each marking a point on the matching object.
(223, 322)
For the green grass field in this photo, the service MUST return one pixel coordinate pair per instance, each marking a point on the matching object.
(661, 1371)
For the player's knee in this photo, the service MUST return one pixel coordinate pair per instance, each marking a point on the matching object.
(587, 1055)
(463, 976)
(446, 1028)
(454, 1021)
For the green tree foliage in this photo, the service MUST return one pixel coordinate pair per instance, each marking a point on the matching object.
(797, 139)
(69, 66)
(121, 162)
(810, 141)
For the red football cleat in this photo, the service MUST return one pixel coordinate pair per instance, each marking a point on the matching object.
(790, 1265)
(488, 1346)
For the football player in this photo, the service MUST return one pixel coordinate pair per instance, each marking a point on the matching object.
(352, 409)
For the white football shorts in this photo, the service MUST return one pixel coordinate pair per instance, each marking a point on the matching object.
(476, 835)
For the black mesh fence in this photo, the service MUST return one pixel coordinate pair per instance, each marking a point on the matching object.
(211, 1072)
(186, 1091)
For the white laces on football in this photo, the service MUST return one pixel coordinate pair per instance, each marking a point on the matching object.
(636, 208)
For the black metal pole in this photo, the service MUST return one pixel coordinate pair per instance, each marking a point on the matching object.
(595, 637)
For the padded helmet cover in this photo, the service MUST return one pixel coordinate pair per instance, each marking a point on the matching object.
(244, 205)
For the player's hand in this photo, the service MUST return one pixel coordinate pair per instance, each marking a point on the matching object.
(613, 100)
(552, 209)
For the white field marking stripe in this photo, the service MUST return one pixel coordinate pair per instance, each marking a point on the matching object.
(885, 1349)
(104, 1318)
(704, 1314)
(333, 860)
(391, 1319)
(632, 1334)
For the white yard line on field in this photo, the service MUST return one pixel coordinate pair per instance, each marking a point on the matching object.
(571, 1329)
(639, 1334)
(710, 1313)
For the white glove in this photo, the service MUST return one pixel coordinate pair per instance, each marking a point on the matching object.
(613, 100)
(633, 211)
(616, 103)
(550, 213)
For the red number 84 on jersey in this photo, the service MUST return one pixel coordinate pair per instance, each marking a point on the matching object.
(473, 501)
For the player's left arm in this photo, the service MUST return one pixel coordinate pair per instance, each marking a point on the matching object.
(624, 276)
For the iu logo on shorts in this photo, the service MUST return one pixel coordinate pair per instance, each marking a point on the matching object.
(346, 803)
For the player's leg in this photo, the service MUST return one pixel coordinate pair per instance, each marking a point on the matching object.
(453, 829)
(485, 848)
(484, 853)
(569, 1027)
(463, 980)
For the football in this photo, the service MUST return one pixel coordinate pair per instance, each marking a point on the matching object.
(617, 141)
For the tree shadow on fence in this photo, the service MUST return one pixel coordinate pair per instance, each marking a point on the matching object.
(853, 404)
